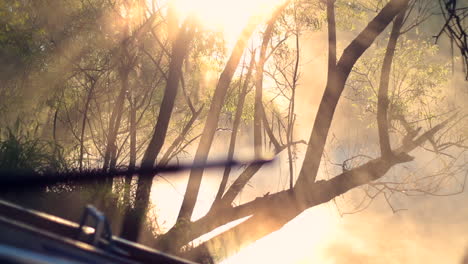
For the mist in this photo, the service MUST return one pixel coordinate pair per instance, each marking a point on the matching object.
(134, 84)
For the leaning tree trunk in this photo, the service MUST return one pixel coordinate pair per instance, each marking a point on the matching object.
(270, 213)
(266, 215)
(133, 218)
(235, 130)
(335, 85)
(193, 186)
(211, 124)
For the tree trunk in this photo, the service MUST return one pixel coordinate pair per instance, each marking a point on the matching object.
(382, 103)
(124, 75)
(83, 123)
(211, 124)
(270, 213)
(170, 151)
(335, 85)
(267, 215)
(133, 219)
(114, 124)
(179, 52)
(291, 116)
(258, 107)
(133, 133)
(235, 129)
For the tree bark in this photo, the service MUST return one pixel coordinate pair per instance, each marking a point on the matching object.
(291, 115)
(269, 131)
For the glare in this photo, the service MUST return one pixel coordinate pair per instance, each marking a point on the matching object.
(226, 16)
(299, 241)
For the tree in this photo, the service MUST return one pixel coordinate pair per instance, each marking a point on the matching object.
(179, 51)
(132, 95)
(454, 15)
(272, 211)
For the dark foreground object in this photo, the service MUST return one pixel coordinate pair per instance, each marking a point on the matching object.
(32, 237)
(17, 179)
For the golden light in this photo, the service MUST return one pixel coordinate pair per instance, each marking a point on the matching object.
(299, 241)
(302, 240)
(226, 16)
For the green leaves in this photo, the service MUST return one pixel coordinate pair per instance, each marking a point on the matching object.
(21, 150)
(416, 80)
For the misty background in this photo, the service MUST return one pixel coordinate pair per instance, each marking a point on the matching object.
(426, 225)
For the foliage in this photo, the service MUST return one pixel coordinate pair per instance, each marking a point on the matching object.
(416, 82)
(22, 150)
(93, 76)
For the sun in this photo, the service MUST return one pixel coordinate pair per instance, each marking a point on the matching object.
(226, 16)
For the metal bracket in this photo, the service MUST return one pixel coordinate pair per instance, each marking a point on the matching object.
(102, 228)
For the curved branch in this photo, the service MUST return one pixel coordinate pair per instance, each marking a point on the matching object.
(382, 102)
